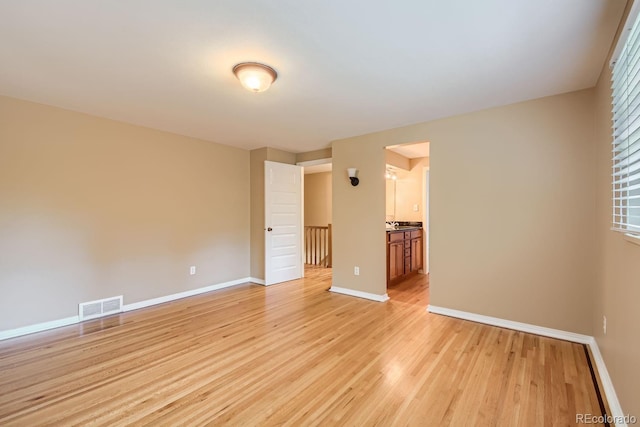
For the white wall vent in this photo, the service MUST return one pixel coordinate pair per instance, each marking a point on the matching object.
(100, 308)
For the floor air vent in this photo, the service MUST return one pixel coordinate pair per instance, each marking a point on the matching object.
(99, 308)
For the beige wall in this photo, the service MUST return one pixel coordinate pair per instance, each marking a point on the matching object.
(275, 155)
(317, 199)
(325, 153)
(257, 159)
(359, 215)
(617, 292)
(510, 211)
(93, 208)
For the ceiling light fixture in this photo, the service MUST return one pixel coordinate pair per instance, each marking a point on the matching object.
(255, 77)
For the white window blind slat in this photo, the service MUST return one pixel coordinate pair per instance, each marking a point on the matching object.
(627, 198)
(628, 59)
(628, 84)
(626, 189)
(625, 90)
(622, 146)
(625, 181)
(622, 171)
(629, 124)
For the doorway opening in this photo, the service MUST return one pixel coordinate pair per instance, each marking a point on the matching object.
(317, 216)
(407, 222)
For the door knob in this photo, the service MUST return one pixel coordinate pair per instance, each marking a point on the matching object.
(269, 229)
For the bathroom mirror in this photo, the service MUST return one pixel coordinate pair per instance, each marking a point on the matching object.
(390, 200)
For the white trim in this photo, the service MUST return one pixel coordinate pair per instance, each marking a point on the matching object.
(607, 384)
(426, 217)
(315, 162)
(257, 281)
(38, 327)
(366, 295)
(605, 379)
(509, 324)
(302, 247)
(180, 295)
(632, 238)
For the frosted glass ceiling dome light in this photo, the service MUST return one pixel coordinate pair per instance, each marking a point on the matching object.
(255, 77)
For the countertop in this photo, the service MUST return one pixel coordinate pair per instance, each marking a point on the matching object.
(404, 228)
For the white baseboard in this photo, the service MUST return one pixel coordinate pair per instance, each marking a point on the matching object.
(185, 294)
(39, 327)
(366, 295)
(257, 281)
(509, 324)
(607, 384)
(605, 379)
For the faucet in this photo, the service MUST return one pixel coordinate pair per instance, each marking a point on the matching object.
(392, 224)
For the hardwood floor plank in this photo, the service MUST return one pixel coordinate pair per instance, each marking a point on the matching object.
(292, 354)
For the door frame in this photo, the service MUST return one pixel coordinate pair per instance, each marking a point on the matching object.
(426, 217)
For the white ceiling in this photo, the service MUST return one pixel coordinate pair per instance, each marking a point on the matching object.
(345, 67)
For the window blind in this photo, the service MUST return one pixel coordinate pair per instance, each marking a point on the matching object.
(626, 135)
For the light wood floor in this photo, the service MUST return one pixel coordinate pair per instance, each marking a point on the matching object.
(292, 354)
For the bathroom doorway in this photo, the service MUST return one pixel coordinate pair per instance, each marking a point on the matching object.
(407, 222)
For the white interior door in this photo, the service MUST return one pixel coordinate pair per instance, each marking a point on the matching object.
(283, 222)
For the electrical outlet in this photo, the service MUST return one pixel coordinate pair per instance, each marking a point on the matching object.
(416, 207)
(192, 270)
(356, 271)
(604, 324)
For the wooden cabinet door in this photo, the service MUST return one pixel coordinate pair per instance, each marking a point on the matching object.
(396, 260)
(416, 254)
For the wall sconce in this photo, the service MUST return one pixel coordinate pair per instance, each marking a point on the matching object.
(352, 176)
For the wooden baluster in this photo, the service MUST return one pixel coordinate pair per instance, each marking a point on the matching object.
(317, 245)
(329, 254)
(324, 247)
(308, 244)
